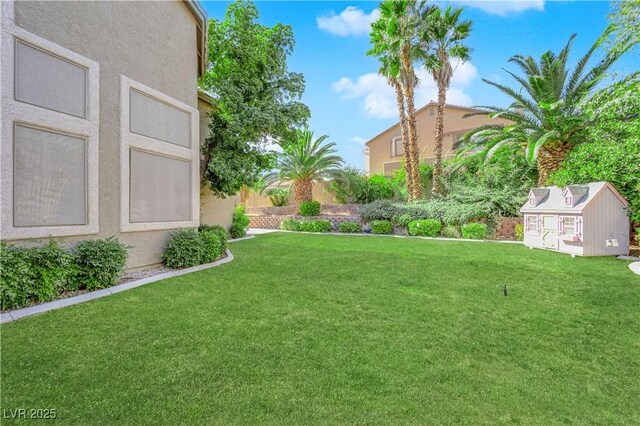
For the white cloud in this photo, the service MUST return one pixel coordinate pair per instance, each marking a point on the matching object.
(359, 140)
(379, 99)
(504, 7)
(351, 21)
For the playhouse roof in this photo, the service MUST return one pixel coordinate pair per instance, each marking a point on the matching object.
(553, 197)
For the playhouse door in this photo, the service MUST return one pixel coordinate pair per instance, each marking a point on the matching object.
(550, 232)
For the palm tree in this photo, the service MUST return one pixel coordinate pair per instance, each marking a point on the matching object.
(444, 36)
(303, 160)
(390, 68)
(546, 109)
(396, 36)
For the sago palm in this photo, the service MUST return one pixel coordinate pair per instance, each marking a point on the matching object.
(546, 109)
(396, 35)
(304, 160)
(444, 36)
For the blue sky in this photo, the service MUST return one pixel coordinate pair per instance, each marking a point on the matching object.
(351, 104)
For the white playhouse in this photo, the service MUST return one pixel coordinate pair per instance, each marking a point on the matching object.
(583, 220)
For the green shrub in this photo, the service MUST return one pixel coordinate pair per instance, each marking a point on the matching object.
(310, 208)
(279, 196)
(212, 245)
(403, 220)
(349, 226)
(15, 276)
(239, 223)
(290, 225)
(185, 248)
(381, 227)
(315, 225)
(450, 231)
(425, 228)
(99, 263)
(222, 233)
(380, 210)
(51, 267)
(354, 186)
(474, 231)
(519, 231)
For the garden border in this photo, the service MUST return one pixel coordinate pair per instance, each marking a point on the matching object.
(363, 234)
(29, 311)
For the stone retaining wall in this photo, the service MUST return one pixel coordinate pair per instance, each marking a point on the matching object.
(506, 228)
(274, 221)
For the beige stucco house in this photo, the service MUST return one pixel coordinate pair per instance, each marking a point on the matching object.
(102, 123)
(384, 152)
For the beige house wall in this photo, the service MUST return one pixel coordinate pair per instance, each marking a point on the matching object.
(320, 193)
(213, 210)
(154, 43)
(380, 152)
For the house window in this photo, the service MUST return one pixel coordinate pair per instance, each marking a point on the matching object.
(397, 149)
(569, 226)
(49, 137)
(432, 111)
(531, 224)
(567, 200)
(159, 160)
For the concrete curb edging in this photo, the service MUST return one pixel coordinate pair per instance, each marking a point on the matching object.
(635, 267)
(248, 237)
(17, 314)
(405, 236)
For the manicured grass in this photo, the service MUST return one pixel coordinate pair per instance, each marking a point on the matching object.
(303, 329)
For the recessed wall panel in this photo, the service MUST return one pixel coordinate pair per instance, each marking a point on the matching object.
(49, 178)
(160, 188)
(158, 120)
(49, 81)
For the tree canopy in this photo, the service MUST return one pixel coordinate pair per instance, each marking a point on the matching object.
(257, 98)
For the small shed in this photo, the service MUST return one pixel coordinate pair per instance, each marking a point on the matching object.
(583, 220)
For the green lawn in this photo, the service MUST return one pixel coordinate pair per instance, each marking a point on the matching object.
(303, 329)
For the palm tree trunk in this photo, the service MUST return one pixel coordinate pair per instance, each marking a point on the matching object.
(303, 190)
(550, 158)
(437, 149)
(406, 144)
(413, 133)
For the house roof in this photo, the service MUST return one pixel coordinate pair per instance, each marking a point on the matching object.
(201, 33)
(425, 107)
(583, 196)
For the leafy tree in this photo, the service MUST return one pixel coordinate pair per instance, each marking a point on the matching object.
(625, 16)
(444, 35)
(395, 38)
(611, 151)
(547, 111)
(257, 98)
(303, 160)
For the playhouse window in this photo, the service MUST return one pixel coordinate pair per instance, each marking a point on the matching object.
(569, 226)
(532, 224)
(567, 200)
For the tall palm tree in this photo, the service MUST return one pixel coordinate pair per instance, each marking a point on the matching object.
(390, 68)
(444, 34)
(396, 36)
(303, 160)
(546, 109)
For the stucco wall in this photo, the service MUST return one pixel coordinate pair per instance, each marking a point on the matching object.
(454, 123)
(153, 43)
(213, 210)
(320, 193)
